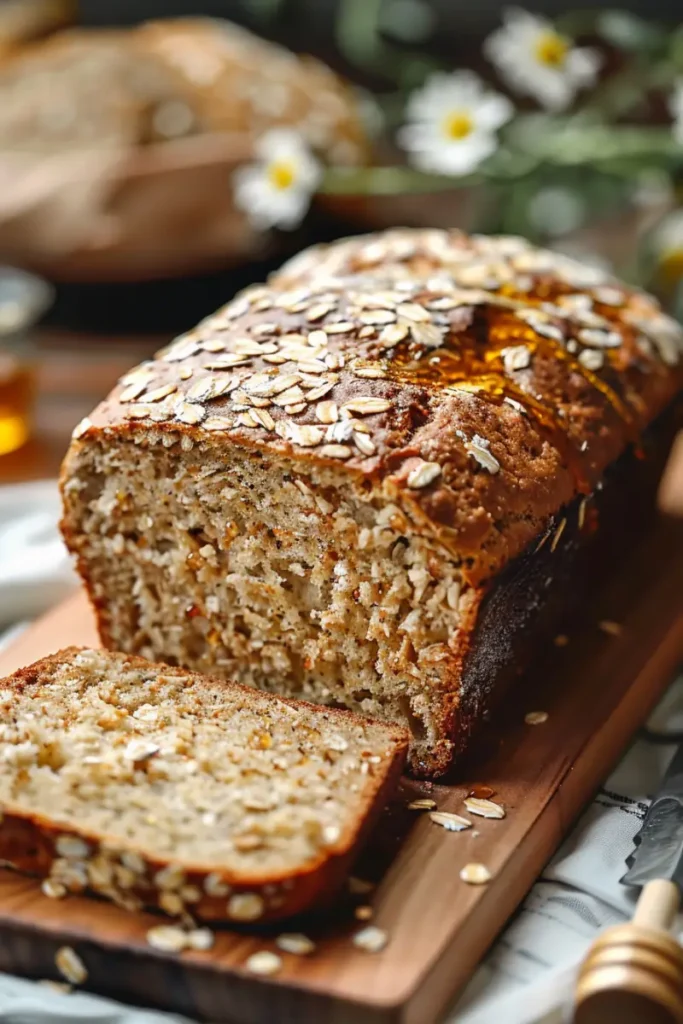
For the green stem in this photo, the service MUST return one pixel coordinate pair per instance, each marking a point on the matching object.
(386, 181)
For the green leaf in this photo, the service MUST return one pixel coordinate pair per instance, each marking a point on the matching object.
(630, 33)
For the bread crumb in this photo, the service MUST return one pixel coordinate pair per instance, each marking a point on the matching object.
(475, 874)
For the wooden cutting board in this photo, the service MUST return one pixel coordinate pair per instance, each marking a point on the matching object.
(596, 690)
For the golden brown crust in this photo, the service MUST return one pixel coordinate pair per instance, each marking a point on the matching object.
(28, 841)
(482, 410)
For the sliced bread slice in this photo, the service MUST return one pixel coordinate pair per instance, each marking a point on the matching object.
(153, 786)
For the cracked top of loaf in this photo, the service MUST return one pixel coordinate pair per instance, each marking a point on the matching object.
(479, 381)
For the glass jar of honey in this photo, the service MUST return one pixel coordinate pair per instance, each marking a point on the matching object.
(23, 300)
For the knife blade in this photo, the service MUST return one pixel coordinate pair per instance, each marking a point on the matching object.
(658, 849)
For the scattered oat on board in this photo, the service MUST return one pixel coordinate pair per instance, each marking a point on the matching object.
(70, 965)
(200, 939)
(53, 889)
(475, 874)
(451, 822)
(264, 962)
(371, 939)
(536, 717)
(167, 938)
(609, 627)
(296, 943)
(484, 808)
(423, 804)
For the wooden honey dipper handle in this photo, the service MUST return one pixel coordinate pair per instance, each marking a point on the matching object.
(633, 973)
(658, 905)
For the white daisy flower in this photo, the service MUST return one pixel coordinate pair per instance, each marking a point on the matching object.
(676, 108)
(452, 123)
(534, 58)
(276, 191)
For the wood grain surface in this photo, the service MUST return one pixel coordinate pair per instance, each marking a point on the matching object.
(597, 690)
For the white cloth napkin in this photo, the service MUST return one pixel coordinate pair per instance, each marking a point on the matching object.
(528, 974)
(35, 570)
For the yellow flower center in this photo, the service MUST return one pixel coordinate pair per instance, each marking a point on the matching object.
(551, 49)
(670, 270)
(458, 125)
(282, 174)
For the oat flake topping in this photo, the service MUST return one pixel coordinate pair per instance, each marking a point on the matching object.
(348, 340)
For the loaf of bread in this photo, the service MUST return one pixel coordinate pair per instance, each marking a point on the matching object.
(244, 85)
(357, 484)
(154, 787)
(169, 79)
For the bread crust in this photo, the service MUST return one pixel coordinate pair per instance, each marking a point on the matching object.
(28, 840)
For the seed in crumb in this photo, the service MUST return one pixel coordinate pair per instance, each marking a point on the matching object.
(561, 640)
(475, 874)
(200, 938)
(359, 886)
(451, 822)
(331, 834)
(371, 939)
(294, 942)
(363, 913)
(484, 808)
(264, 962)
(52, 888)
(609, 627)
(167, 938)
(70, 965)
(536, 717)
(422, 805)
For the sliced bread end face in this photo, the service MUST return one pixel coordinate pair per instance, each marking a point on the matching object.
(153, 786)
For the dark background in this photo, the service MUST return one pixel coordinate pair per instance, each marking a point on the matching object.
(457, 25)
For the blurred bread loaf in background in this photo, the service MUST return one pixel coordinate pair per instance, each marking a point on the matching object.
(118, 147)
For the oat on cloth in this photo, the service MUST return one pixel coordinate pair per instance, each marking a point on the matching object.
(527, 975)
